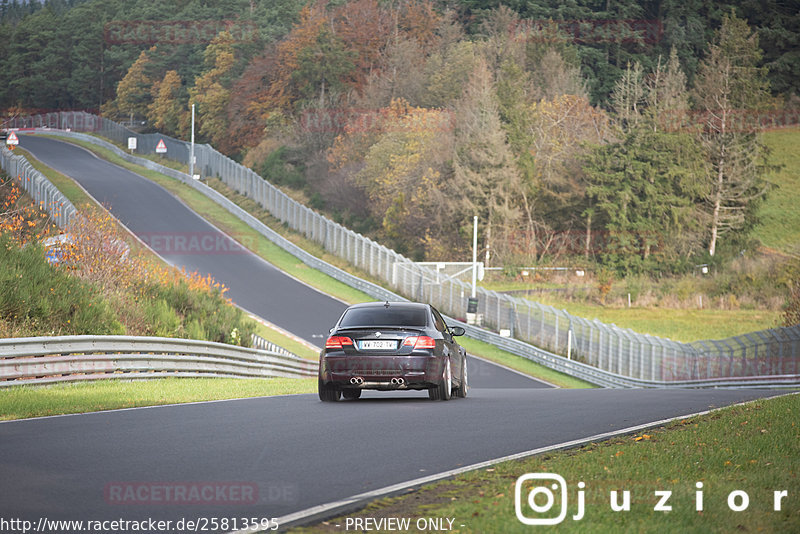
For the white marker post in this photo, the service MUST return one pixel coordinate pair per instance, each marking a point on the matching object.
(191, 152)
(472, 303)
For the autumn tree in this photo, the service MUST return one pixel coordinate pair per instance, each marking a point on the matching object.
(324, 69)
(246, 113)
(134, 90)
(168, 112)
(730, 85)
(403, 174)
(561, 132)
(484, 168)
(418, 20)
(447, 73)
(365, 29)
(553, 76)
(402, 75)
(210, 92)
(281, 90)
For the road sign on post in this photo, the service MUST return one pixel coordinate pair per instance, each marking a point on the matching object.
(161, 148)
(12, 139)
(131, 144)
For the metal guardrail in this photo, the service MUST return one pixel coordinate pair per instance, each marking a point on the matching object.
(46, 195)
(43, 360)
(258, 342)
(603, 354)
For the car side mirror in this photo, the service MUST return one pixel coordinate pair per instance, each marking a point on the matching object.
(457, 330)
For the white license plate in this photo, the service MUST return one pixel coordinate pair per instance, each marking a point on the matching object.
(378, 345)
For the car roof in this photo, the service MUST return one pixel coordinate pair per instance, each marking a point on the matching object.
(407, 305)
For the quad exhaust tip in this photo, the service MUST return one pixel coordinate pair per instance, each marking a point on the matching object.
(398, 381)
(356, 380)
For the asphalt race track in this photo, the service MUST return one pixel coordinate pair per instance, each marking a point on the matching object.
(269, 457)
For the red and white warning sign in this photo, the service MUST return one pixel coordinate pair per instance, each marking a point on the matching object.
(12, 139)
(161, 148)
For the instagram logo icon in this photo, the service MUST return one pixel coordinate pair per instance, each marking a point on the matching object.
(541, 499)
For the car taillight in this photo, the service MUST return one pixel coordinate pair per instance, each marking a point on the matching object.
(338, 342)
(420, 342)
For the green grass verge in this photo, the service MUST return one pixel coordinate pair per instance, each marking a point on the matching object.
(523, 365)
(63, 183)
(20, 402)
(752, 448)
(293, 266)
(279, 338)
(779, 228)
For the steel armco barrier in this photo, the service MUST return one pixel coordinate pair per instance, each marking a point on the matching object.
(612, 356)
(42, 360)
(44, 193)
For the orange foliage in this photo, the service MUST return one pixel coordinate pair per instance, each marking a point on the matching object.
(303, 35)
(562, 128)
(418, 19)
(364, 129)
(20, 217)
(364, 28)
(96, 251)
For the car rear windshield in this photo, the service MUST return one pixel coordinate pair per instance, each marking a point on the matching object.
(392, 316)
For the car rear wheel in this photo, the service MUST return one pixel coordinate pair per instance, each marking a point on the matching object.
(463, 389)
(444, 390)
(351, 394)
(328, 393)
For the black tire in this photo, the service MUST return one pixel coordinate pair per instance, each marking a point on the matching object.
(351, 394)
(328, 393)
(444, 390)
(463, 388)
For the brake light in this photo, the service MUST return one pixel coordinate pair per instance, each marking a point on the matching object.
(420, 342)
(338, 342)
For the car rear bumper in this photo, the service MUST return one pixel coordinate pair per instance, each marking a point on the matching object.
(381, 372)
